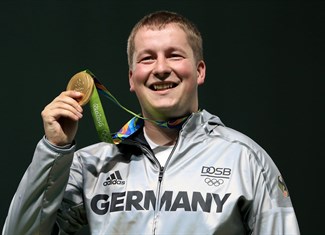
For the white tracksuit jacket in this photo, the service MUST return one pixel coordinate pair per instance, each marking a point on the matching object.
(216, 181)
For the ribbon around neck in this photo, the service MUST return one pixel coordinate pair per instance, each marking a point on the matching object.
(130, 127)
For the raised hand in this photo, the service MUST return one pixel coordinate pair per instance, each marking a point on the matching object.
(61, 117)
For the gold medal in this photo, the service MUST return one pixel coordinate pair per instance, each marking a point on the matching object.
(83, 83)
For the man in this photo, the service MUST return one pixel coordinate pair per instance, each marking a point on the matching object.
(197, 177)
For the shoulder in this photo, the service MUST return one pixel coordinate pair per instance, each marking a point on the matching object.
(218, 130)
(216, 127)
(95, 154)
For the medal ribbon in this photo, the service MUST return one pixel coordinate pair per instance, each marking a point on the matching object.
(99, 117)
(130, 127)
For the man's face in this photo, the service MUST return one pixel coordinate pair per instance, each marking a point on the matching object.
(164, 74)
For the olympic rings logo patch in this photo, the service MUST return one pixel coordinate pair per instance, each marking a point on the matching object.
(215, 176)
(213, 182)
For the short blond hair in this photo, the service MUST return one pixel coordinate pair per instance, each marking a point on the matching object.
(159, 20)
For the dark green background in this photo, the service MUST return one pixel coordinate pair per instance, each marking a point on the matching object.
(265, 78)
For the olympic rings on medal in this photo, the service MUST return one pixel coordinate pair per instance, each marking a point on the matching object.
(215, 182)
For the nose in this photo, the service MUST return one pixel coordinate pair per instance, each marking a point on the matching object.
(162, 68)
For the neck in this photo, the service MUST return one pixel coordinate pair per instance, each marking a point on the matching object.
(160, 135)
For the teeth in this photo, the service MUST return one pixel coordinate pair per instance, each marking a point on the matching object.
(162, 86)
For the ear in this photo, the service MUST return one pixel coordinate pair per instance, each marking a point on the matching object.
(131, 81)
(201, 69)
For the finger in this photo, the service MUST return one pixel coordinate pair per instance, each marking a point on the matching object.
(55, 111)
(64, 111)
(74, 94)
(70, 97)
(63, 106)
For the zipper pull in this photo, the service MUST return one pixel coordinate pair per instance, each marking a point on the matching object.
(161, 172)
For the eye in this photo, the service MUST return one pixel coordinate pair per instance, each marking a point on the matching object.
(176, 56)
(146, 59)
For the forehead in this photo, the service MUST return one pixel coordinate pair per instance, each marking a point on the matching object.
(160, 34)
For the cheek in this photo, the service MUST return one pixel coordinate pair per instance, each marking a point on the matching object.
(140, 74)
(185, 69)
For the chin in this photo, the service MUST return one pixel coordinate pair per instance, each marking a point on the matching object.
(170, 113)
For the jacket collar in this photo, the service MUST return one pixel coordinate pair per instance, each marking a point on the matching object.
(133, 129)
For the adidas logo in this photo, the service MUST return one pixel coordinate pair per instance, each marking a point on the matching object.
(114, 179)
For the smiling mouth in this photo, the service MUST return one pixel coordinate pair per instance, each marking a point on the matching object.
(163, 86)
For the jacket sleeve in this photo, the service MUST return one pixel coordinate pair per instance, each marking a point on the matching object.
(33, 209)
(273, 212)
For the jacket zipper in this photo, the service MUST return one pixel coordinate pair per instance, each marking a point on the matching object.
(161, 173)
(160, 178)
(156, 213)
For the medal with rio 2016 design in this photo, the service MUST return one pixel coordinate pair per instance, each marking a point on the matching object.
(84, 83)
